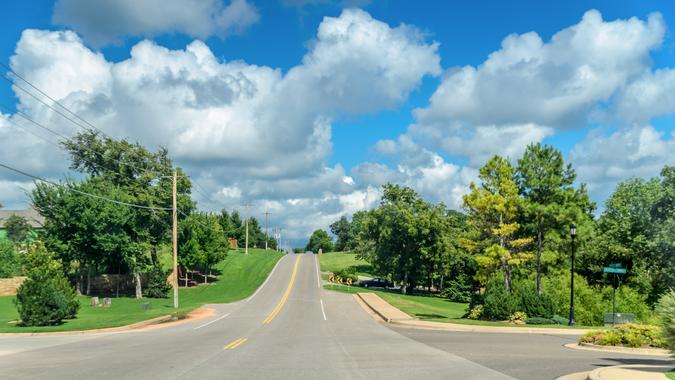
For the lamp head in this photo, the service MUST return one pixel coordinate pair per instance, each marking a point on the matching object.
(573, 230)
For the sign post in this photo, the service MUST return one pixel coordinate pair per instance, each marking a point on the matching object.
(615, 269)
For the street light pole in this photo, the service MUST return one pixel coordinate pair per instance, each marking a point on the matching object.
(573, 234)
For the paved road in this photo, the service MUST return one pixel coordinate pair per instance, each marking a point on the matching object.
(524, 356)
(283, 332)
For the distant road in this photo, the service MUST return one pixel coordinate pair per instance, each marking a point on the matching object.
(290, 329)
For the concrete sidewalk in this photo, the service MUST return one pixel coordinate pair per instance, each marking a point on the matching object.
(393, 315)
(622, 372)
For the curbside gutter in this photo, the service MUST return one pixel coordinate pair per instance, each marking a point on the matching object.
(392, 315)
(630, 372)
(618, 349)
(161, 321)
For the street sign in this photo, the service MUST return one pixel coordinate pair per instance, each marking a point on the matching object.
(614, 270)
(615, 265)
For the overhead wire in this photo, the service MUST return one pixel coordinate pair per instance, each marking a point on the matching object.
(37, 178)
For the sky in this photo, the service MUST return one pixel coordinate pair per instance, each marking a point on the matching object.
(305, 108)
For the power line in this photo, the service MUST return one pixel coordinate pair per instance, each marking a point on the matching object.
(34, 177)
(48, 97)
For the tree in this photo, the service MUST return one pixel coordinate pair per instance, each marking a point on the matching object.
(10, 259)
(140, 176)
(545, 184)
(45, 297)
(202, 243)
(493, 210)
(342, 231)
(17, 228)
(319, 241)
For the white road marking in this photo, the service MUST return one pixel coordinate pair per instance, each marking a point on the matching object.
(318, 274)
(267, 279)
(215, 320)
(323, 311)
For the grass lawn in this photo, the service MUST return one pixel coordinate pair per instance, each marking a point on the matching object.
(240, 276)
(671, 374)
(334, 261)
(430, 308)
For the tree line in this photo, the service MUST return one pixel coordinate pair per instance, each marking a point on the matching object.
(514, 227)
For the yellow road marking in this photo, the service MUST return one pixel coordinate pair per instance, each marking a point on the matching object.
(242, 341)
(235, 343)
(281, 303)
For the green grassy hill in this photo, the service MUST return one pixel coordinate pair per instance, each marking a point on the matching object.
(240, 276)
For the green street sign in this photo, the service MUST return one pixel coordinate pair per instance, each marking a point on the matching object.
(614, 270)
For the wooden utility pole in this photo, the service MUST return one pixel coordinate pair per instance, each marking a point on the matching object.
(267, 236)
(246, 206)
(175, 241)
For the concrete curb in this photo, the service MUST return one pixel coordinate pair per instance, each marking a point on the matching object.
(197, 314)
(630, 372)
(383, 309)
(622, 350)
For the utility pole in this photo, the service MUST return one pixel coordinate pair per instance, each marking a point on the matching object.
(175, 240)
(267, 235)
(246, 206)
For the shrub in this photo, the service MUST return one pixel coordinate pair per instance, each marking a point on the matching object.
(628, 335)
(476, 312)
(158, 286)
(10, 259)
(458, 291)
(343, 276)
(498, 303)
(558, 320)
(666, 312)
(540, 321)
(518, 318)
(45, 297)
(590, 303)
(532, 303)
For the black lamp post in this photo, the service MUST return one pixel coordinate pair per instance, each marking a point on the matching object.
(573, 234)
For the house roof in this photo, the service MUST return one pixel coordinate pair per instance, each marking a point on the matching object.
(32, 216)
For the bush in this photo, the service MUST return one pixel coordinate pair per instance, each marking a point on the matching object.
(540, 321)
(518, 318)
(345, 275)
(10, 259)
(666, 312)
(158, 286)
(476, 312)
(628, 335)
(532, 303)
(558, 320)
(498, 303)
(46, 297)
(458, 291)
(590, 303)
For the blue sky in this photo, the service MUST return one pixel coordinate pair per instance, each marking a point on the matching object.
(360, 145)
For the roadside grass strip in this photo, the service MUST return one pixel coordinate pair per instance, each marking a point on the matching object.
(235, 343)
(287, 293)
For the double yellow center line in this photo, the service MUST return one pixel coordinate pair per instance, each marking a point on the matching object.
(236, 343)
(287, 293)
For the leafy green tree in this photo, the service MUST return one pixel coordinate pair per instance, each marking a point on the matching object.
(342, 231)
(45, 297)
(666, 312)
(546, 184)
(17, 228)
(10, 260)
(319, 240)
(202, 243)
(493, 209)
(141, 177)
(636, 229)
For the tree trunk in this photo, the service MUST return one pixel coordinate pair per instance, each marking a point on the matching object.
(440, 288)
(186, 277)
(404, 284)
(539, 246)
(153, 255)
(78, 283)
(88, 280)
(137, 281)
(507, 274)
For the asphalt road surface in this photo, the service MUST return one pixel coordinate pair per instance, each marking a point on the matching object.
(289, 329)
